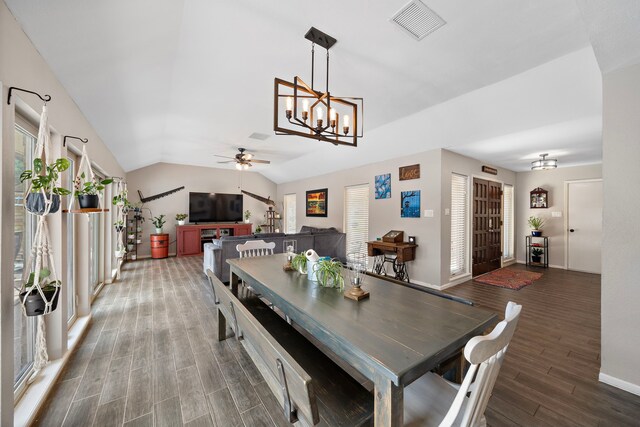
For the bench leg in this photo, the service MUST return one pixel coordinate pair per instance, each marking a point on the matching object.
(222, 326)
(389, 404)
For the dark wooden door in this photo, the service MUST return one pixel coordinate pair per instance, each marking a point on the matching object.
(487, 221)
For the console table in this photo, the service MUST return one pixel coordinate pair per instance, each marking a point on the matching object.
(400, 252)
(191, 238)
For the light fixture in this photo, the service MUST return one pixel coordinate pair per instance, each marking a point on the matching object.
(544, 163)
(301, 110)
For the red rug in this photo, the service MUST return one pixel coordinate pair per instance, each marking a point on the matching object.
(509, 278)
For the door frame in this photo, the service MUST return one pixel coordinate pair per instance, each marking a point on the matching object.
(566, 215)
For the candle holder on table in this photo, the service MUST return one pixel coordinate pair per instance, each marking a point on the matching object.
(356, 272)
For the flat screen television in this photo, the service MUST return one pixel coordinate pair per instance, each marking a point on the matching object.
(215, 207)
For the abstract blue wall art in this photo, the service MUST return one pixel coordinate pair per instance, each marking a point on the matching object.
(410, 204)
(383, 186)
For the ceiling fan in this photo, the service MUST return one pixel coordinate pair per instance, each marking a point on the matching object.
(243, 160)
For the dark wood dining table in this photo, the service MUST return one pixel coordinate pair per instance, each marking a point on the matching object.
(393, 337)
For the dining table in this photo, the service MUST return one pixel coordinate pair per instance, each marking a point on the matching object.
(393, 337)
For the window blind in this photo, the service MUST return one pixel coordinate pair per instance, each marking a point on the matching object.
(356, 217)
(459, 209)
(507, 221)
(290, 213)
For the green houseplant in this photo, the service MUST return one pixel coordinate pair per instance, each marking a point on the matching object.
(44, 182)
(87, 191)
(258, 229)
(119, 226)
(536, 254)
(181, 217)
(299, 262)
(158, 222)
(33, 302)
(121, 199)
(536, 223)
(329, 273)
(247, 215)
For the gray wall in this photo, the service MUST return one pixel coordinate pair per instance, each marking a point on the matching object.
(162, 177)
(621, 229)
(552, 181)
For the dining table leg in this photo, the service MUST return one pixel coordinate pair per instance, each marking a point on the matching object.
(389, 403)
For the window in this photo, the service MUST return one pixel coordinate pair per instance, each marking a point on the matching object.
(96, 249)
(289, 213)
(507, 222)
(356, 217)
(24, 229)
(70, 282)
(459, 208)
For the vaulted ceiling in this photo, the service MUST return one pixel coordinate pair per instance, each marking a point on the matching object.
(181, 80)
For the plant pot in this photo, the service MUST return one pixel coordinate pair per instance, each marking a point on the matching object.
(134, 257)
(138, 241)
(34, 305)
(119, 228)
(36, 203)
(536, 233)
(181, 222)
(302, 270)
(535, 258)
(120, 253)
(88, 201)
(246, 221)
(158, 230)
(129, 248)
(131, 236)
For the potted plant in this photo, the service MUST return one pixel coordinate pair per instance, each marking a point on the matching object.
(536, 254)
(120, 252)
(181, 217)
(33, 303)
(258, 229)
(44, 184)
(299, 262)
(119, 225)
(247, 215)
(329, 273)
(536, 224)
(87, 191)
(121, 199)
(129, 246)
(158, 222)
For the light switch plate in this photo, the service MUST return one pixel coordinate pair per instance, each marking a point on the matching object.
(447, 211)
(556, 214)
(428, 213)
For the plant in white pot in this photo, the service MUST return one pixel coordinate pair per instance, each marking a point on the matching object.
(158, 222)
(247, 215)
(536, 224)
(181, 217)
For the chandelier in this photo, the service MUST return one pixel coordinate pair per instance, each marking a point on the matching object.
(300, 110)
(544, 163)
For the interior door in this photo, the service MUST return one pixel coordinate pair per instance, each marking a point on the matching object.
(487, 213)
(584, 220)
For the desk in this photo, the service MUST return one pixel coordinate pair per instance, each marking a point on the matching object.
(403, 252)
(393, 337)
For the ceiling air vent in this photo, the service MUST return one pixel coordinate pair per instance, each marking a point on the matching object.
(259, 136)
(417, 20)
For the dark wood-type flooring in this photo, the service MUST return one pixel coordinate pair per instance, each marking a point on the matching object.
(149, 358)
(550, 373)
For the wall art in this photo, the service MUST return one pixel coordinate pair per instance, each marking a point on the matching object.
(317, 202)
(383, 186)
(410, 204)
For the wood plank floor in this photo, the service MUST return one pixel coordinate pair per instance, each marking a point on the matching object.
(550, 372)
(149, 358)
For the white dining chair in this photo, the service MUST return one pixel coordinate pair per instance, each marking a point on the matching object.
(255, 248)
(433, 401)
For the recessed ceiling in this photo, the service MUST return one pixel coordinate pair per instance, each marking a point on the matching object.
(180, 81)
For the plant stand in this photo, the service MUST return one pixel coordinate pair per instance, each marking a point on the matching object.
(537, 242)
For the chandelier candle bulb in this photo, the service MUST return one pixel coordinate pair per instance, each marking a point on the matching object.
(289, 107)
(345, 125)
(305, 109)
(320, 114)
(332, 117)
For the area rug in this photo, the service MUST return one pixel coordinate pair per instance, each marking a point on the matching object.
(509, 278)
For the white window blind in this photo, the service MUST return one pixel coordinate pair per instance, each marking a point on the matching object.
(289, 213)
(356, 217)
(507, 221)
(459, 209)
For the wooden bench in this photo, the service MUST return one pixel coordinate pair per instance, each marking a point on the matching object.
(309, 386)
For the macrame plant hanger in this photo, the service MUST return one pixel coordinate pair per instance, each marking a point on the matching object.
(84, 168)
(40, 264)
(121, 218)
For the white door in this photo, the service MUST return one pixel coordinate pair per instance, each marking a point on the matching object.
(584, 223)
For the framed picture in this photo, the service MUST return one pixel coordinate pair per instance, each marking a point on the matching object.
(317, 202)
(409, 172)
(410, 204)
(383, 186)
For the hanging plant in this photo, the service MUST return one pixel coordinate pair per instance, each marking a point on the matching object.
(88, 191)
(34, 304)
(119, 226)
(120, 200)
(43, 189)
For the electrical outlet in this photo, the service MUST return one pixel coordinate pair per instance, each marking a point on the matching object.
(556, 214)
(447, 211)
(428, 213)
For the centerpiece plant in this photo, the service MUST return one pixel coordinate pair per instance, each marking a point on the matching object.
(158, 222)
(88, 191)
(247, 215)
(43, 185)
(299, 262)
(181, 217)
(329, 273)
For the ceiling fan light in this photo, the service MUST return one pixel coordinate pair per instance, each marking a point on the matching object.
(238, 166)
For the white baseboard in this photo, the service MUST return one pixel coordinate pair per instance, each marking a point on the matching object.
(618, 383)
(561, 267)
(464, 278)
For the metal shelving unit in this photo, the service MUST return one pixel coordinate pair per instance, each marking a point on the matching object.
(537, 242)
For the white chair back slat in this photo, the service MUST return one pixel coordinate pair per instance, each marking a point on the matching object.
(486, 354)
(254, 248)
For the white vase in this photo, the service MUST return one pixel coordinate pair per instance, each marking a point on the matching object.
(181, 222)
(158, 230)
(246, 221)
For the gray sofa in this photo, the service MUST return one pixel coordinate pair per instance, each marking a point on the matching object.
(325, 241)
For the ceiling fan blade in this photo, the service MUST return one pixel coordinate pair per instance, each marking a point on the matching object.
(266, 162)
(228, 161)
(224, 157)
